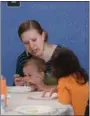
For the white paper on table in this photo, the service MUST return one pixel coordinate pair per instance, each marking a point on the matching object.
(18, 89)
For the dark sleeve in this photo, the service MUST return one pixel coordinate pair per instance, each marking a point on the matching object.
(19, 69)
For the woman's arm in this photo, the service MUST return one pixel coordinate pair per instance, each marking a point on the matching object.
(19, 72)
(19, 65)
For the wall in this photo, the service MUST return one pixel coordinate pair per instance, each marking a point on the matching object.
(65, 22)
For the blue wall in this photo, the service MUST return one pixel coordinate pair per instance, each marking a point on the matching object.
(65, 22)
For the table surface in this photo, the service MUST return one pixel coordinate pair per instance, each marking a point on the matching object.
(18, 99)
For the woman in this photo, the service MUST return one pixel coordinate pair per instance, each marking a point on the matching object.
(35, 38)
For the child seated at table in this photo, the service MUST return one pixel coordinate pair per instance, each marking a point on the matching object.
(72, 79)
(34, 73)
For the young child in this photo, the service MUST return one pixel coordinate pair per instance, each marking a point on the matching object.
(72, 79)
(34, 71)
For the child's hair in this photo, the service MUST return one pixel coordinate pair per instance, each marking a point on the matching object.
(65, 62)
(38, 62)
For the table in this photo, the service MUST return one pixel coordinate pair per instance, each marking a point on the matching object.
(18, 99)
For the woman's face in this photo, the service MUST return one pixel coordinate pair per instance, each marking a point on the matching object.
(33, 42)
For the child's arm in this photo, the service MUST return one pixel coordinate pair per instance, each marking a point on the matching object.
(64, 96)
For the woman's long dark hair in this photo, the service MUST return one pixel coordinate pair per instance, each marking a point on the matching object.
(65, 62)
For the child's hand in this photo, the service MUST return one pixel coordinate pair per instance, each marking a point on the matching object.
(51, 91)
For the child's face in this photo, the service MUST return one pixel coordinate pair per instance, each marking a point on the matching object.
(35, 75)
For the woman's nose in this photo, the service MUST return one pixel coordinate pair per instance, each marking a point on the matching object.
(31, 45)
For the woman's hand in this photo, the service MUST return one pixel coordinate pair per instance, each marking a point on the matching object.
(18, 80)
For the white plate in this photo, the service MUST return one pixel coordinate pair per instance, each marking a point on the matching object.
(35, 110)
(38, 95)
(18, 89)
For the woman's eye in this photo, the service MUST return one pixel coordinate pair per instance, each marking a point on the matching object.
(25, 42)
(33, 39)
